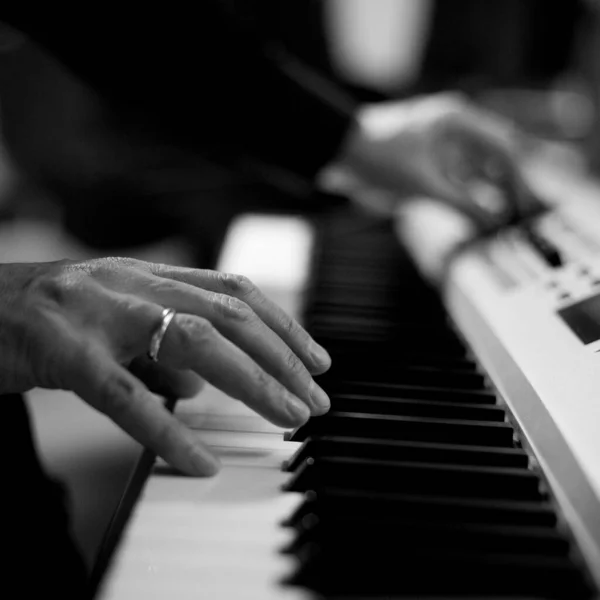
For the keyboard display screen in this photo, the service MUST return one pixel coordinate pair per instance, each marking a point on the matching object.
(583, 318)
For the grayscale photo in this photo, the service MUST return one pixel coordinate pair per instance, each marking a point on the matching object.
(300, 300)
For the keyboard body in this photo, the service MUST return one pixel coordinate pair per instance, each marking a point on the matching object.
(462, 430)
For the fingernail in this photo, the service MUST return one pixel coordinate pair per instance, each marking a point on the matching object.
(320, 356)
(319, 398)
(298, 409)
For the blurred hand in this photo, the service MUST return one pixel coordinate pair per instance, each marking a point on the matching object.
(86, 327)
(439, 146)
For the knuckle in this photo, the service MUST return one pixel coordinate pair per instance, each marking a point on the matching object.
(192, 331)
(236, 285)
(115, 395)
(290, 326)
(158, 269)
(56, 288)
(116, 262)
(201, 329)
(293, 363)
(111, 267)
(233, 308)
(264, 382)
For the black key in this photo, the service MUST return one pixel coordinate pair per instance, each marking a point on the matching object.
(415, 478)
(335, 502)
(335, 533)
(452, 454)
(409, 333)
(355, 573)
(349, 353)
(410, 392)
(432, 357)
(371, 332)
(443, 431)
(399, 373)
(416, 408)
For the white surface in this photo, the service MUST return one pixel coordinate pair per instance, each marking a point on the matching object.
(214, 538)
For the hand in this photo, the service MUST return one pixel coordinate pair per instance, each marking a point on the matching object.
(437, 146)
(86, 327)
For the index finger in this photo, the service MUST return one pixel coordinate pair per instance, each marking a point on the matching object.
(314, 356)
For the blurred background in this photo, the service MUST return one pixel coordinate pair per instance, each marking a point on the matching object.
(76, 181)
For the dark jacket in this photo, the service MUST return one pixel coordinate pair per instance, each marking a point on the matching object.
(214, 76)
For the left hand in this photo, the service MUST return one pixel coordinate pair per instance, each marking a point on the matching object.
(439, 146)
(86, 327)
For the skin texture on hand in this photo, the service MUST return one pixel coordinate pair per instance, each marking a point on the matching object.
(86, 327)
(438, 146)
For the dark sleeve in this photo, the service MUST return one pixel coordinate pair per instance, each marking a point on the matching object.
(203, 78)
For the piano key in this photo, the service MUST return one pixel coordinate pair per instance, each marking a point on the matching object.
(409, 477)
(382, 574)
(416, 408)
(479, 433)
(369, 330)
(394, 329)
(333, 533)
(407, 356)
(379, 290)
(336, 501)
(330, 299)
(409, 392)
(339, 446)
(397, 372)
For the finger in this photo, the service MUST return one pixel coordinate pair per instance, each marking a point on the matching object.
(163, 380)
(240, 324)
(314, 356)
(95, 376)
(193, 343)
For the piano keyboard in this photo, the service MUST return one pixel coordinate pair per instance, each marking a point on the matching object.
(416, 483)
(422, 480)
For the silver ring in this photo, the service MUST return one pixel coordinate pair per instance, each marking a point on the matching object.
(159, 334)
